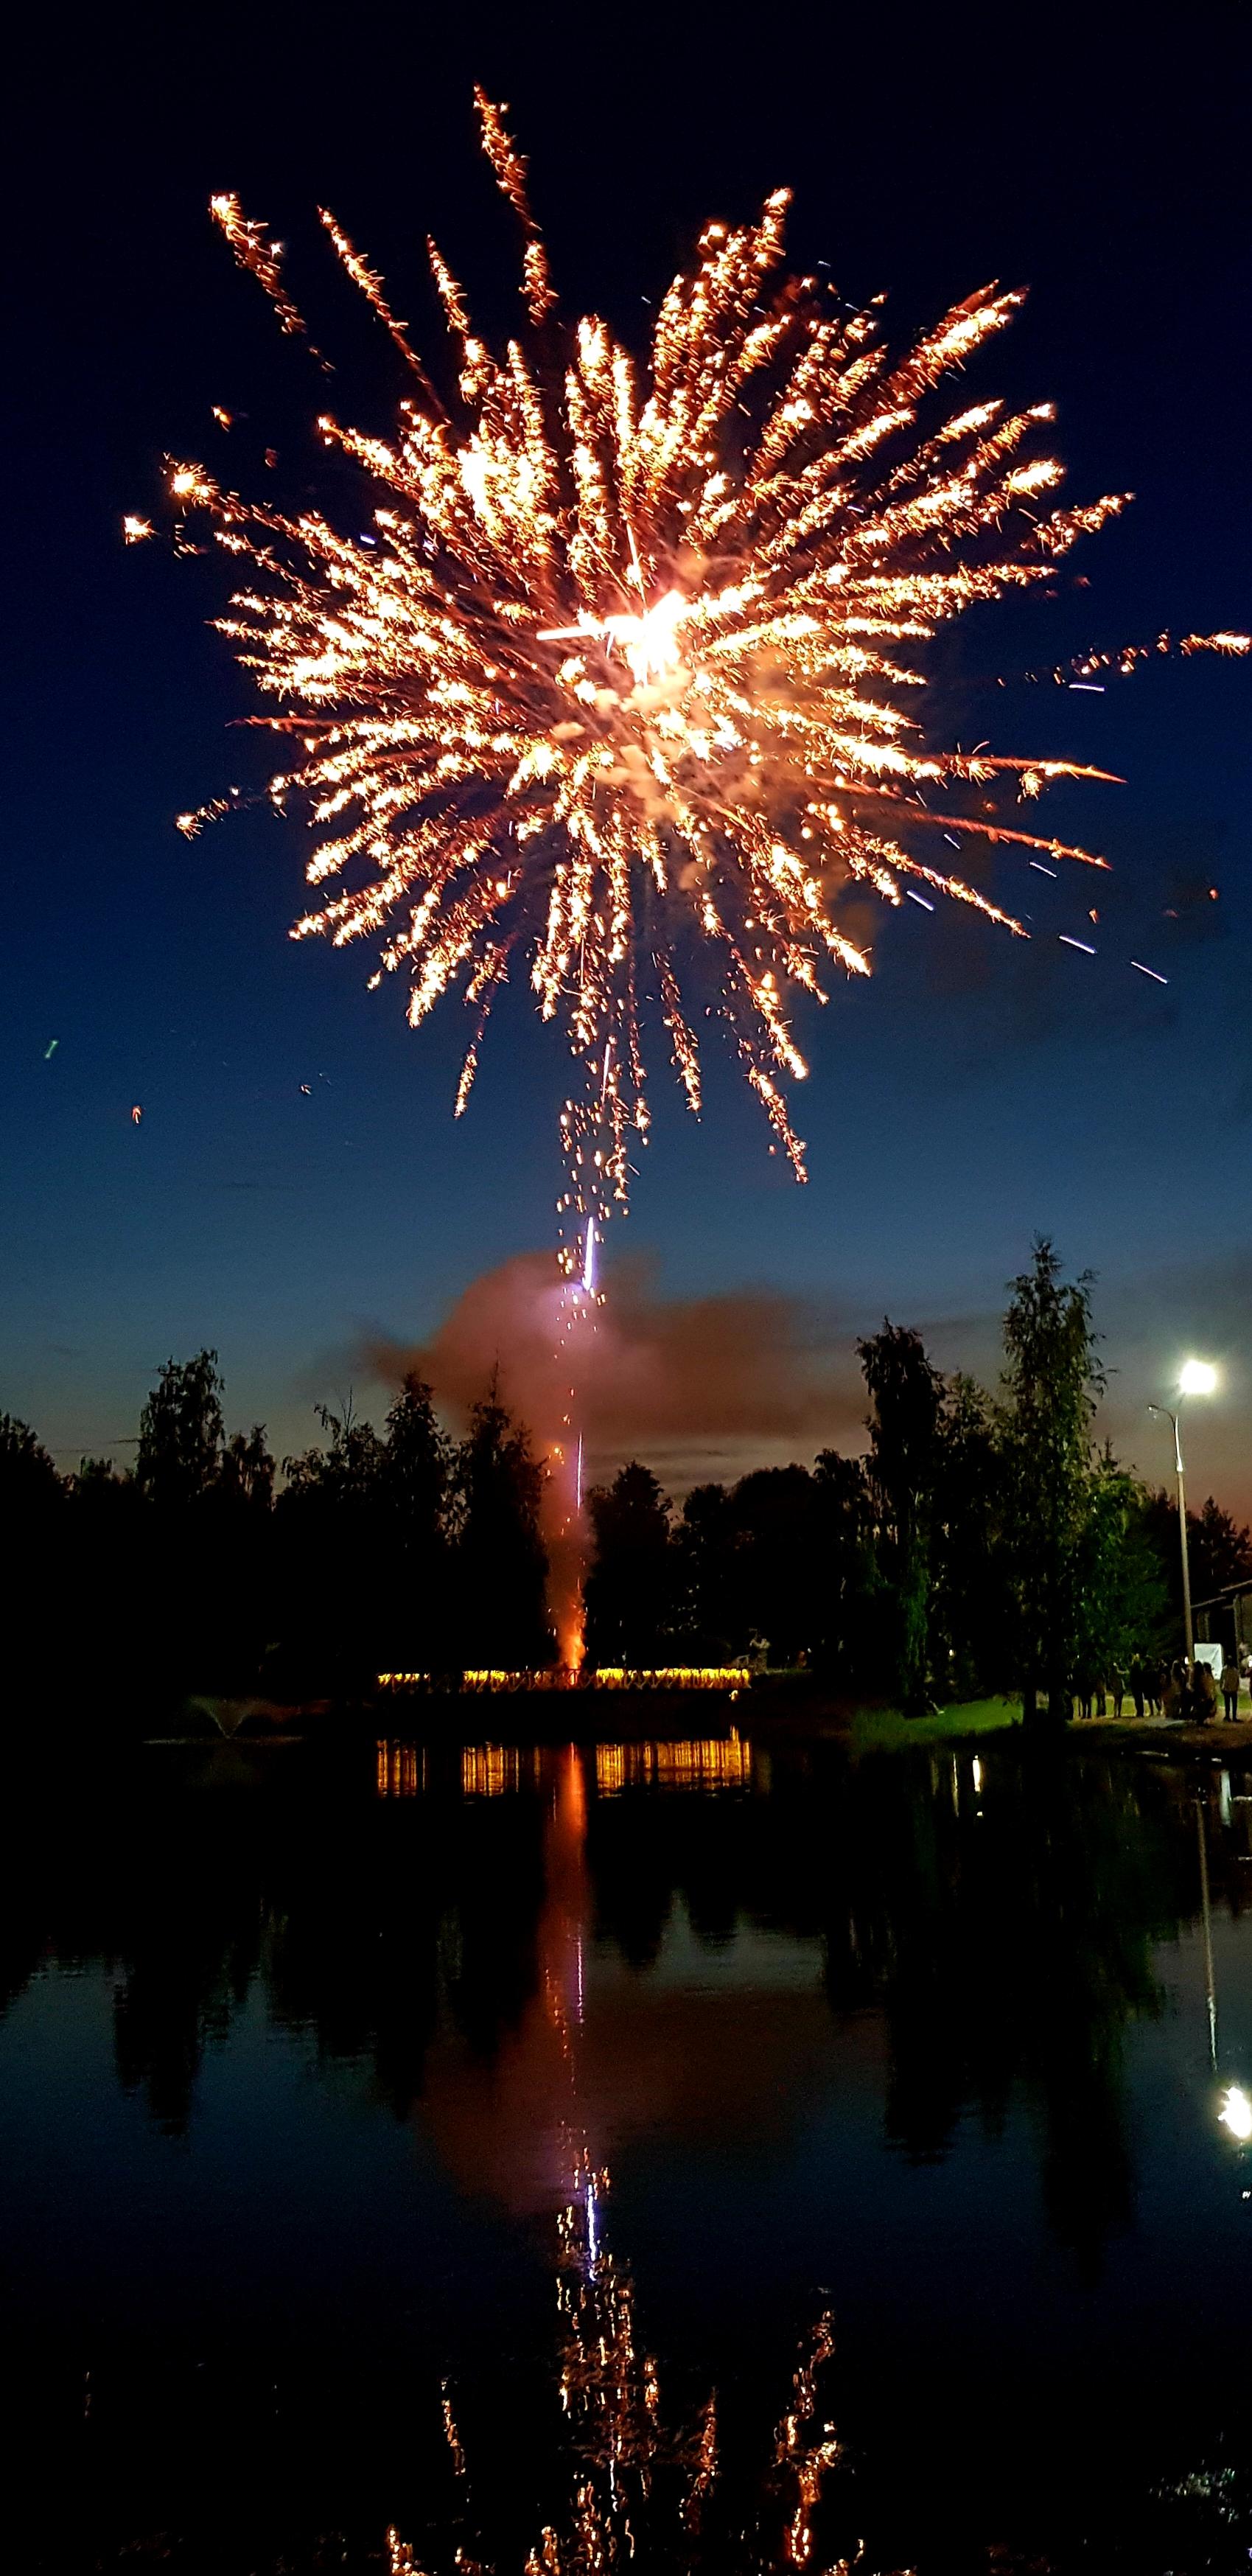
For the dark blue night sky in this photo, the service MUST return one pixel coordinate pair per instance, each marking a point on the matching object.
(978, 1089)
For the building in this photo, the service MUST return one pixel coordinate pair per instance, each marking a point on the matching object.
(1226, 1620)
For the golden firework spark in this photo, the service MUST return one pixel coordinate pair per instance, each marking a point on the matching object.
(631, 654)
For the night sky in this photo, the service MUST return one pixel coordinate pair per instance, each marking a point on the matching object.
(979, 1089)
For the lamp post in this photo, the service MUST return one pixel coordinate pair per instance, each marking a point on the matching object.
(1197, 1378)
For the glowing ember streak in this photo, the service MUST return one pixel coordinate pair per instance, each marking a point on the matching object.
(628, 653)
(263, 260)
(1123, 659)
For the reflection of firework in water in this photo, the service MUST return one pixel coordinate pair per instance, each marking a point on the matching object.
(625, 656)
(638, 2488)
(641, 2490)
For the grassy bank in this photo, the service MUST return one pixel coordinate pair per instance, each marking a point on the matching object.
(883, 1730)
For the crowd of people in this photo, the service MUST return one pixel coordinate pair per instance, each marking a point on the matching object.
(1184, 1694)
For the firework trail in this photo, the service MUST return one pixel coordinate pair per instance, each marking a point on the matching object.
(567, 1534)
(630, 659)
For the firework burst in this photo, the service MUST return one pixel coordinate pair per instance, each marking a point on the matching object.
(629, 660)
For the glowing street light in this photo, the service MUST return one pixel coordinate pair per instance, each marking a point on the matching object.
(1197, 1377)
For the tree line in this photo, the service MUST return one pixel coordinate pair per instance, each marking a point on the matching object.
(984, 1541)
(399, 1549)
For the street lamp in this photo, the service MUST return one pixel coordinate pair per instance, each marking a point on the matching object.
(1198, 1378)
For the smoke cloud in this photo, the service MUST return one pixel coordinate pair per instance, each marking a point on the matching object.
(695, 1385)
(713, 1386)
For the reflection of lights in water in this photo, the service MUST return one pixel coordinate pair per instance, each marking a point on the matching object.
(708, 1762)
(401, 1770)
(492, 1770)
(1236, 2112)
(496, 1770)
(635, 2485)
(977, 1770)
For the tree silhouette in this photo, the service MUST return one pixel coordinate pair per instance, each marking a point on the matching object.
(968, 1643)
(1052, 1383)
(1219, 1549)
(980, 1545)
(501, 1560)
(630, 1592)
(246, 1474)
(906, 1394)
(181, 1433)
(28, 1478)
(415, 1473)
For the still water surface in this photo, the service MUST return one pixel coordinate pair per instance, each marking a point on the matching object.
(329, 2087)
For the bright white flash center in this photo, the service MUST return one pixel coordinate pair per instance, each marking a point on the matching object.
(1198, 1378)
(648, 644)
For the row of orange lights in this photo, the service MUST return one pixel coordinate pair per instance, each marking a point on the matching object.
(590, 1677)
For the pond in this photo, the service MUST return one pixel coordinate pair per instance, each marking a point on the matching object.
(719, 2154)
